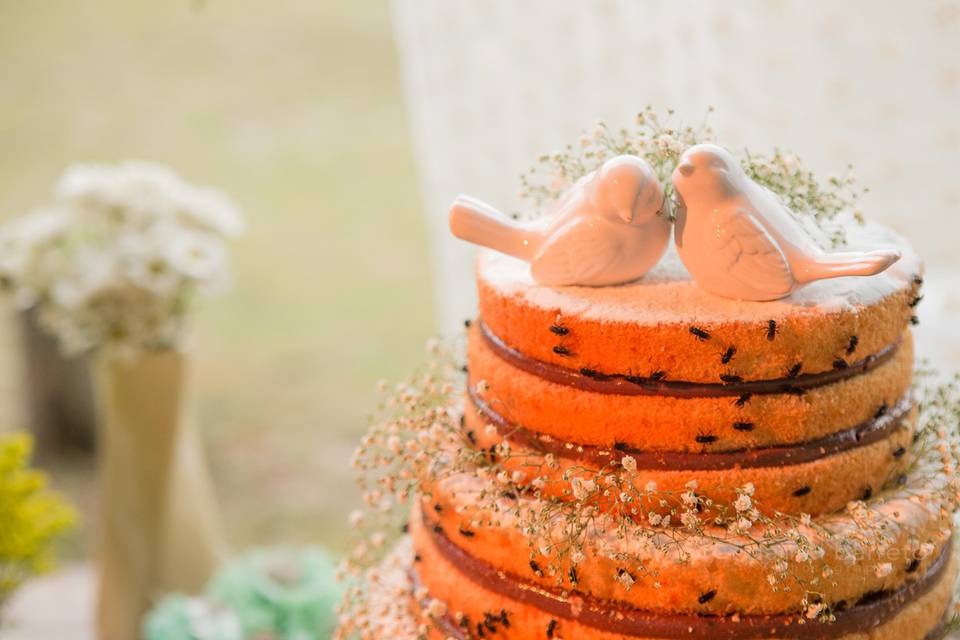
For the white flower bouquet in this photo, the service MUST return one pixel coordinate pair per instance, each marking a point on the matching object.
(112, 266)
(116, 260)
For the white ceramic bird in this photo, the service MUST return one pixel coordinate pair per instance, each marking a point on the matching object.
(739, 240)
(608, 228)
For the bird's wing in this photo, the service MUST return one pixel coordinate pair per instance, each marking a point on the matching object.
(578, 253)
(748, 253)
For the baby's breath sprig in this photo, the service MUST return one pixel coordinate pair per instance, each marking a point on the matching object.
(567, 514)
(661, 141)
(784, 174)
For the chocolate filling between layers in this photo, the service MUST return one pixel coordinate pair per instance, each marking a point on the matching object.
(629, 385)
(864, 434)
(871, 611)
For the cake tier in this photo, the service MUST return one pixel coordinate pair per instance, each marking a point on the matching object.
(712, 575)
(480, 596)
(731, 418)
(399, 609)
(814, 477)
(664, 326)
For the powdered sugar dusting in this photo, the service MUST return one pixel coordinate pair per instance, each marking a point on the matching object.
(667, 294)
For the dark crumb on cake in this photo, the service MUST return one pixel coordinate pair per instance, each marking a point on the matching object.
(914, 320)
(867, 493)
(707, 438)
(593, 373)
(743, 426)
(707, 597)
(623, 572)
(881, 410)
(558, 330)
(700, 334)
(915, 301)
(561, 350)
(771, 330)
(902, 479)
(536, 568)
(509, 495)
(620, 446)
(871, 596)
(472, 437)
(795, 370)
(656, 376)
(551, 628)
(438, 508)
(466, 533)
(437, 529)
(743, 399)
(504, 618)
(802, 491)
(728, 355)
(913, 566)
(491, 620)
(465, 369)
(852, 345)
(840, 363)
(729, 378)
(900, 451)
(467, 323)
(405, 527)
(572, 574)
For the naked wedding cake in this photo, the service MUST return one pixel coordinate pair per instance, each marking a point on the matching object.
(726, 442)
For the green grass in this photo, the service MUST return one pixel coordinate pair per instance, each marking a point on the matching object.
(294, 108)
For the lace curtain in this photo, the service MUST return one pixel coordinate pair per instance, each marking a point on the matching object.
(491, 84)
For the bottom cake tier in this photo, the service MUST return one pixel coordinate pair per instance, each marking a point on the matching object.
(399, 607)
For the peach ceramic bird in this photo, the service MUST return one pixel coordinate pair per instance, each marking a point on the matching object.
(739, 240)
(608, 228)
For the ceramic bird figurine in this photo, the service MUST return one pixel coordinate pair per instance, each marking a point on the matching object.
(608, 228)
(739, 240)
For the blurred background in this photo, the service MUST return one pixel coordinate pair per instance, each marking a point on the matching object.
(295, 110)
(344, 128)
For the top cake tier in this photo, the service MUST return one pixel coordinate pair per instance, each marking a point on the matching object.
(666, 330)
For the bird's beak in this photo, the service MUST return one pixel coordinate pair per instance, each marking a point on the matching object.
(685, 168)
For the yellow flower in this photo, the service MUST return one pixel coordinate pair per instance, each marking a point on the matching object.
(32, 517)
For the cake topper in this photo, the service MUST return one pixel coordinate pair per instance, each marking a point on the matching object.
(739, 240)
(608, 228)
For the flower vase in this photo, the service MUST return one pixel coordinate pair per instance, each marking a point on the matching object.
(159, 525)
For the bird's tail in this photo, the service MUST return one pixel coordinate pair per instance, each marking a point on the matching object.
(851, 263)
(477, 222)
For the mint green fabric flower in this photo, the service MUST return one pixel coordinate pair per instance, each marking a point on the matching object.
(281, 594)
(179, 617)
